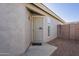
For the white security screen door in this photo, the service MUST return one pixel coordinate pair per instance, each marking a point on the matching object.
(38, 29)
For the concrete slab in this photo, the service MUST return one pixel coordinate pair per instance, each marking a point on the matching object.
(43, 50)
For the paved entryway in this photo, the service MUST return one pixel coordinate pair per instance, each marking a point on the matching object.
(44, 50)
(65, 47)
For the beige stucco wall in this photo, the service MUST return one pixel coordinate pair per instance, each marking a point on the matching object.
(53, 29)
(14, 29)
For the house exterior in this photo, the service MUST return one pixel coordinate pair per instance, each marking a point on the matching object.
(18, 26)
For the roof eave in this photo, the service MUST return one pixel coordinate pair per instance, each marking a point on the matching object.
(47, 10)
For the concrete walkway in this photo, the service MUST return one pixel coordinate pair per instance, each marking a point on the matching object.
(43, 50)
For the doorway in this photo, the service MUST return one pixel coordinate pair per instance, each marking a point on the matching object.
(37, 28)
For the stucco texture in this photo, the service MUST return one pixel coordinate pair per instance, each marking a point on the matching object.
(14, 29)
